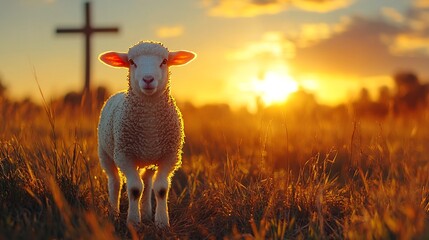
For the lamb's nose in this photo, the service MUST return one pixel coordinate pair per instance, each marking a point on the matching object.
(148, 79)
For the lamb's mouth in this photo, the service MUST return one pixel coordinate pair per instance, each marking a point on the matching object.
(148, 90)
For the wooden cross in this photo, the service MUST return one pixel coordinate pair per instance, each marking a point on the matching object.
(87, 30)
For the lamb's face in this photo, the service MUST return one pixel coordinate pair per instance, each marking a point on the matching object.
(148, 64)
(148, 74)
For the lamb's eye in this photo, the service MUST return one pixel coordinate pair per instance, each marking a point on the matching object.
(163, 62)
(132, 63)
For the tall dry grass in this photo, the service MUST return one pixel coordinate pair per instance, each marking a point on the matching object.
(277, 174)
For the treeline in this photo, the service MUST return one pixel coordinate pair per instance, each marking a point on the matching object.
(409, 97)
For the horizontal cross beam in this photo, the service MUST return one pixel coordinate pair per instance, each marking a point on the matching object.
(87, 30)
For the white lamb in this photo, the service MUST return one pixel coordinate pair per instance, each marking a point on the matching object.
(141, 129)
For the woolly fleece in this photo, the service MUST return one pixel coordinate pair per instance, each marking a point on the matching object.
(147, 48)
(140, 129)
(145, 131)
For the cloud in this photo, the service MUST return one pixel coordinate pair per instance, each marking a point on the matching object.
(245, 8)
(273, 45)
(169, 31)
(278, 45)
(413, 37)
(251, 8)
(322, 5)
(421, 3)
(418, 20)
(409, 44)
(392, 14)
(364, 49)
(312, 33)
(32, 2)
(355, 46)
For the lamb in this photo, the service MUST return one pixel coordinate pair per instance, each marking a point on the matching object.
(140, 131)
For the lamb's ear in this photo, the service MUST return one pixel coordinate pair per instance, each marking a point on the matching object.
(180, 57)
(115, 59)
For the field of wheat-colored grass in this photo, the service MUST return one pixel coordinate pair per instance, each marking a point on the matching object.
(277, 174)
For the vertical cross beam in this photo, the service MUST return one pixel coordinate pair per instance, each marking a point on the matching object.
(88, 31)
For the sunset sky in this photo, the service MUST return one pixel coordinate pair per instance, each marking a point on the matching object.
(329, 47)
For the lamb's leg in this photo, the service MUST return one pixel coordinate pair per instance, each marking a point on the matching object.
(147, 194)
(161, 186)
(134, 189)
(114, 181)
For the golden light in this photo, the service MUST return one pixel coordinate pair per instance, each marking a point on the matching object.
(274, 87)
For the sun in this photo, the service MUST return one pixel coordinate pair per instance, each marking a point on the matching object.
(274, 87)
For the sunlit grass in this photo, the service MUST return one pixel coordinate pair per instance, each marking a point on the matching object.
(276, 174)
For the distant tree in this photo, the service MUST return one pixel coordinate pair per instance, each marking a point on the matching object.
(94, 99)
(361, 105)
(2, 88)
(384, 95)
(366, 107)
(410, 95)
(101, 94)
(302, 103)
(406, 82)
(72, 99)
(384, 100)
(364, 97)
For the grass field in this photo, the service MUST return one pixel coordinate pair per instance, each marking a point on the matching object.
(278, 174)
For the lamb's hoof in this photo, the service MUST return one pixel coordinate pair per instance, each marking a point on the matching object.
(146, 217)
(133, 229)
(162, 224)
(113, 215)
(133, 221)
(133, 225)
